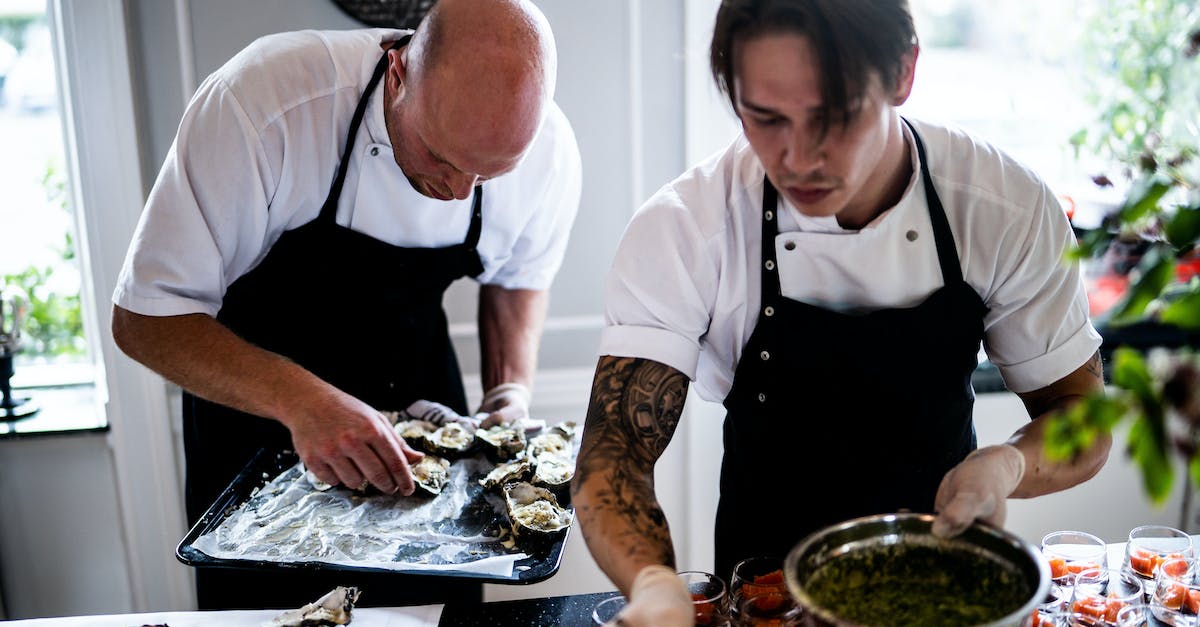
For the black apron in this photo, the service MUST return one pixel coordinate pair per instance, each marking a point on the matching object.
(834, 416)
(363, 315)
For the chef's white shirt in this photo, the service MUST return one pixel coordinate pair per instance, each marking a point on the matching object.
(258, 148)
(684, 286)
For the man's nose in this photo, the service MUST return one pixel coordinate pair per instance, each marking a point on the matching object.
(461, 184)
(804, 151)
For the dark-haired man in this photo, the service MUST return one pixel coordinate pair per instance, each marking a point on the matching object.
(829, 276)
(323, 191)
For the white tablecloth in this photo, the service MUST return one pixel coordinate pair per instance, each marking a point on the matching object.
(416, 616)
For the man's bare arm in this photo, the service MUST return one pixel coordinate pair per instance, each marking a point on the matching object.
(634, 410)
(340, 438)
(1042, 475)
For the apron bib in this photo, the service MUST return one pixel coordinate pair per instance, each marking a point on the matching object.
(839, 415)
(363, 315)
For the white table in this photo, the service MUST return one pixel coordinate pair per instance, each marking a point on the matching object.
(416, 616)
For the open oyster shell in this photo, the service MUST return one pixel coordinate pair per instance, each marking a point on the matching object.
(554, 472)
(450, 440)
(551, 442)
(501, 442)
(518, 470)
(414, 431)
(568, 429)
(431, 474)
(533, 512)
(332, 609)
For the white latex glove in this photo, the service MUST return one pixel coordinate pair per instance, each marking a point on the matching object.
(977, 488)
(436, 413)
(657, 598)
(507, 403)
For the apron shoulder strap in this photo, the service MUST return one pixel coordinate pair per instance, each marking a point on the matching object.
(329, 209)
(942, 235)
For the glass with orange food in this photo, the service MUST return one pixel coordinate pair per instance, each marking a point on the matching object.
(1175, 599)
(1097, 598)
(1071, 552)
(1150, 546)
(756, 575)
(710, 598)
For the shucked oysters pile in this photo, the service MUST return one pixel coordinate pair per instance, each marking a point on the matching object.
(531, 474)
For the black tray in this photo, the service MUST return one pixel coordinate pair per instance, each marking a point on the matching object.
(543, 561)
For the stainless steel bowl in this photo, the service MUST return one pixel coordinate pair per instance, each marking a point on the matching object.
(865, 533)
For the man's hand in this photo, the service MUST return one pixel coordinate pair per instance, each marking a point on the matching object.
(657, 598)
(345, 441)
(505, 404)
(437, 414)
(977, 489)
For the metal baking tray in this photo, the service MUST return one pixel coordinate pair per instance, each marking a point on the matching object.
(543, 561)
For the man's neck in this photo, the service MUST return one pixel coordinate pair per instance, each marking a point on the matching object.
(890, 180)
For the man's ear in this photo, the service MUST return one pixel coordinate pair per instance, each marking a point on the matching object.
(904, 81)
(397, 70)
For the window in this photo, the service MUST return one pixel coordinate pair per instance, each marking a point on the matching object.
(40, 273)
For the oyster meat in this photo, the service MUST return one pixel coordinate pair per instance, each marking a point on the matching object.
(518, 470)
(431, 474)
(450, 440)
(554, 472)
(414, 431)
(534, 512)
(501, 442)
(567, 429)
(552, 443)
(332, 609)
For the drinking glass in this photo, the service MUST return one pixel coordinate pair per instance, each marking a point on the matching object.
(1097, 598)
(755, 575)
(1070, 552)
(607, 609)
(1133, 616)
(1175, 600)
(710, 598)
(1150, 545)
(767, 608)
(1047, 612)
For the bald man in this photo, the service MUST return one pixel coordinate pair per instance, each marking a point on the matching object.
(323, 191)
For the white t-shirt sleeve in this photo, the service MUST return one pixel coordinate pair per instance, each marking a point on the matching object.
(660, 288)
(205, 221)
(1037, 329)
(550, 180)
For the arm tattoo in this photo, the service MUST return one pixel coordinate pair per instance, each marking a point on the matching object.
(634, 410)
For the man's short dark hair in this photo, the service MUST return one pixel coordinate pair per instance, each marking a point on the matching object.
(853, 39)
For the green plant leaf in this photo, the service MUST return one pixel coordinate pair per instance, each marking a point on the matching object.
(1155, 272)
(1183, 228)
(1184, 312)
(1148, 452)
(1091, 243)
(1143, 198)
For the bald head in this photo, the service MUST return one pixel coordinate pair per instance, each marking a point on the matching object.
(466, 96)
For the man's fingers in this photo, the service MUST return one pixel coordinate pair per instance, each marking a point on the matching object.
(347, 473)
(393, 468)
(962, 510)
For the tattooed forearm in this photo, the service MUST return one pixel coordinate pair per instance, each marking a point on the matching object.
(634, 410)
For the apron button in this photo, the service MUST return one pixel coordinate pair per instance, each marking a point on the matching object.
(769, 310)
(770, 215)
(790, 245)
(374, 151)
(762, 398)
(765, 355)
(770, 264)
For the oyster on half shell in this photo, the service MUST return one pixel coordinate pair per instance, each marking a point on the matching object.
(431, 474)
(450, 440)
(554, 472)
(534, 512)
(518, 470)
(501, 442)
(550, 442)
(414, 431)
(332, 609)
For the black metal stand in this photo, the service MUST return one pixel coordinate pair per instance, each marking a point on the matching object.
(12, 408)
